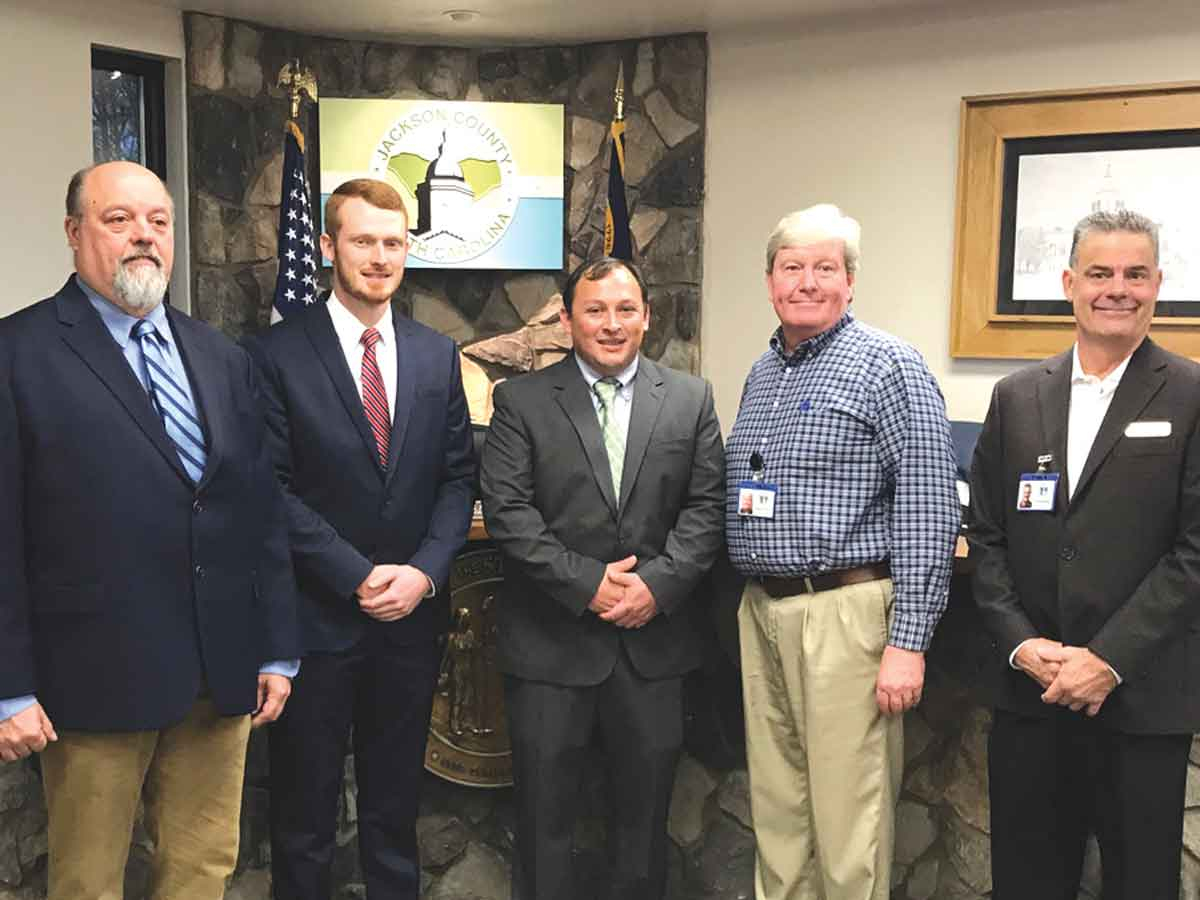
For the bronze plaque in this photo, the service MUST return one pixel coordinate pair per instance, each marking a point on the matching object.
(468, 736)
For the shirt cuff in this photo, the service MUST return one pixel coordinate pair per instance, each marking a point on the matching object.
(432, 592)
(911, 632)
(1012, 657)
(288, 668)
(1115, 673)
(14, 705)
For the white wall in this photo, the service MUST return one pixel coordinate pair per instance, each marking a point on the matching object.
(45, 105)
(867, 116)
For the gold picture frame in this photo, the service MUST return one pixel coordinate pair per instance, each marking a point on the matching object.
(977, 328)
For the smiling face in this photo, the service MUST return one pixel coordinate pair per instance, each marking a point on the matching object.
(123, 237)
(809, 288)
(607, 321)
(1113, 287)
(368, 255)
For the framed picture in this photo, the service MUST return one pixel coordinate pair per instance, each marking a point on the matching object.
(1030, 167)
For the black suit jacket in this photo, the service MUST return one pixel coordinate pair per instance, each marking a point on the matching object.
(125, 590)
(346, 512)
(1117, 568)
(549, 505)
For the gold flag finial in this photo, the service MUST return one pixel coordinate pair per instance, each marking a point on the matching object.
(298, 80)
(619, 92)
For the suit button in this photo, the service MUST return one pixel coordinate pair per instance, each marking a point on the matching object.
(197, 507)
(1067, 553)
(199, 571)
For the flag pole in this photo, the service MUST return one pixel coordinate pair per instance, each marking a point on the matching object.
(617, 240)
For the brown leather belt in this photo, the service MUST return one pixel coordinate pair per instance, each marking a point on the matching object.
(826, 581)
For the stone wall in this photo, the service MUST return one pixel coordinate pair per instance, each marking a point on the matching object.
(236, 116)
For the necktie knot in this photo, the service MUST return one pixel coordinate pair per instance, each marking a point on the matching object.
(143, 328)
(370, 338)
(606, 389)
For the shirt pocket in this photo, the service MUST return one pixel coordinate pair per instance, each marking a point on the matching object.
(834, 431)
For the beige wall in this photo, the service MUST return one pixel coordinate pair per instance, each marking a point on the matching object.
(867, 117)
(45, 104)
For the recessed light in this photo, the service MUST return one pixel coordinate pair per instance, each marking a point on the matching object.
(461, 15)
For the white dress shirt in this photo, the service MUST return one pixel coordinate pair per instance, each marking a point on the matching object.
(623, 402)
(349, 331)
(1090, 399)
(349, 334)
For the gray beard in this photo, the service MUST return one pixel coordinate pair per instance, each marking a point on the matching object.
(140, 289)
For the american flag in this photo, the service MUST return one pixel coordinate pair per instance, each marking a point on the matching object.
(296, 284)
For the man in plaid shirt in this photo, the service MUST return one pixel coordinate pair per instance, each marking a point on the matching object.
(842, 512)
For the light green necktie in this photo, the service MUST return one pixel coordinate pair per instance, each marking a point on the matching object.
(610, 427)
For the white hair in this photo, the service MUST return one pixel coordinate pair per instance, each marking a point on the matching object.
(823, 222)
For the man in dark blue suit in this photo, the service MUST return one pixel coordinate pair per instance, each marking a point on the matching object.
(147, 604)
(372, 444)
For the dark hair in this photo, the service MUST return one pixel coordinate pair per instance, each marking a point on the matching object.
(75, 192)
(597, 269)
(378, 193)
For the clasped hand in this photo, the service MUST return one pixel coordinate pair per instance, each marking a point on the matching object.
(622, 597)
(1074, 677)
(391, 592)
(27, 732)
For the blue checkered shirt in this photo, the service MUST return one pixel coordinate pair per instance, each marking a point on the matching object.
(852, 429)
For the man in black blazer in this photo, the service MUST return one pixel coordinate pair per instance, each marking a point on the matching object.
(602, 481)
(1091, 595)
(146, 591)
(372, 444)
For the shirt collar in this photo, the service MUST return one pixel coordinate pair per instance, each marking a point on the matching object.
(591, 376)
(120, 323)
(350, 330)
(1108, 383)
(814, 344)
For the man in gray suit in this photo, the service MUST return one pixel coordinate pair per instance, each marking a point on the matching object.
(603, 487)
(1089, 591)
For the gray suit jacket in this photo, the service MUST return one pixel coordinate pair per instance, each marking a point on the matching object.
(1117, 568)
(549, 505)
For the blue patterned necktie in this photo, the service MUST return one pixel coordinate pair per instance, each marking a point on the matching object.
(172, 401)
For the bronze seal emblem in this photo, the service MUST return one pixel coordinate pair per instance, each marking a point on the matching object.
(468, 735)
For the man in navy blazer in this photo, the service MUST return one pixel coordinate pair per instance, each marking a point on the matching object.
(372, 444)
(146, 592)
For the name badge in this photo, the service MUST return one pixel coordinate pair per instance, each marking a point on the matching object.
(1036, 490)
(756, 499)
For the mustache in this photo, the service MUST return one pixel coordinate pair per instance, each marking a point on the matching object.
(150, 255)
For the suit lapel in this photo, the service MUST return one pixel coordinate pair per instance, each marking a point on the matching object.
(84, 332)
(571, 393)
(406, 380)
(204, 377)
(1143, 379)
(648, 395)
(1054, 402)
(329, 352)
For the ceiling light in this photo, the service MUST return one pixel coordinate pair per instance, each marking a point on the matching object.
(461, 16)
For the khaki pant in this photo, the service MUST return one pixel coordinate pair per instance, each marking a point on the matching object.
(191, 776)
(824, 763)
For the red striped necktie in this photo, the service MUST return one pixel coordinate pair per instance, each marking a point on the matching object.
(374, 396)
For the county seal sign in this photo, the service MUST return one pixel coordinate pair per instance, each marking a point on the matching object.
(481, 182)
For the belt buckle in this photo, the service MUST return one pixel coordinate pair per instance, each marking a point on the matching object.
(808, 585)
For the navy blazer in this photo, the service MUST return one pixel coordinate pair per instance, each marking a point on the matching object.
(346, 512)
(126, 590)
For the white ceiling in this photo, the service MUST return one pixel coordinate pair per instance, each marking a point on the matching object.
(509, 22)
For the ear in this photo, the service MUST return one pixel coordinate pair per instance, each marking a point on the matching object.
(327, 246)
(71, 227)
(1068, 280)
